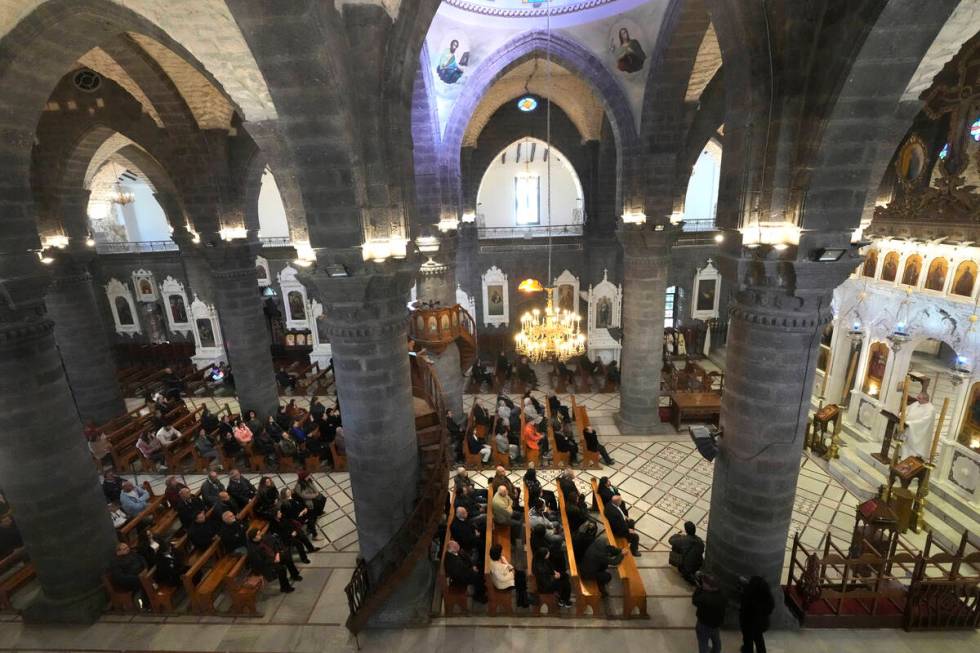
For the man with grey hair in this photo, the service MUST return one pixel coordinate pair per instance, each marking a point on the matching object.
(461, 573)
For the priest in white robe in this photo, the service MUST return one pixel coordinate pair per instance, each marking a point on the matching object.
(919, 418)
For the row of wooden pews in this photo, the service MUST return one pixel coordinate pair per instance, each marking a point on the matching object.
(583, 381)
(634, 594)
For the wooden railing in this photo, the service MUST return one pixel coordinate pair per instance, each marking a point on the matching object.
(374, 580)
(439, 326)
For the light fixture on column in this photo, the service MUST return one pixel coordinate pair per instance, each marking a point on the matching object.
(58, 241)
(447, 224)
(468, 217)
(381, 249)
(553, 333)
(634, 217)
(233, 233)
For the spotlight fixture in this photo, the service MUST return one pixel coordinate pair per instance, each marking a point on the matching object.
(828, 255)
(719, 238)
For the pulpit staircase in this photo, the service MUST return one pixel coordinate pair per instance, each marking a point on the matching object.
(435, 328)
(374, 580)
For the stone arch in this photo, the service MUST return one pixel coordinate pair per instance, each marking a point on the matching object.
(576, 59)
(707, 121)
(874, 104)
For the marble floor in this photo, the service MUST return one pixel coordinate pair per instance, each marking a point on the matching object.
(662, 477)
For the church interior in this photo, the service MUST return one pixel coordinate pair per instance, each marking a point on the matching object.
(455, 324)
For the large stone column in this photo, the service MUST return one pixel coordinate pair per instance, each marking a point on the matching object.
(366, 319)
(646, 257)
(81, 337)
(773, 341)
(46, 470)
(223, 273)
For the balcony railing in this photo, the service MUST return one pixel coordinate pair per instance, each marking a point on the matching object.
(530, 231)
(140, 247)
(699, 224)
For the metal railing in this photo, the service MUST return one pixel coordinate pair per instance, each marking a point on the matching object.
(529, 231)
(699, 224)
(140, 247)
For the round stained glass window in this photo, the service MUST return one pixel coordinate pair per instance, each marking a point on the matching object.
(527, 103)
(943, 153)
(975, 130)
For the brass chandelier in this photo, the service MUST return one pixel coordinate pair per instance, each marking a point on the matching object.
(554, 333)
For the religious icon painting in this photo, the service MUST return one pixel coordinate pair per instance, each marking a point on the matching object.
(178, 311)
(936, 277)
(913, 266)
(454, 57)
(625, 37)
(566, 297)
(124, 312)
(963, 280)
(603, 315)
(889, 270)
(297, 306)
(205, 331)
(495, 300)
(706, 294)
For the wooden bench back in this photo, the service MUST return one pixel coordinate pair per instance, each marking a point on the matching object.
(634, 594)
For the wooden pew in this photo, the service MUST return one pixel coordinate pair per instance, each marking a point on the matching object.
(453, 596)
(202, 593)
(497, 458)
(586, 591)
(119, 600)
(340, 459)
(634, 594)
(11, 581)
(549, 599)
(243, 587)
(558, 458)
(581, 417)
(161, 596)
(497, 600)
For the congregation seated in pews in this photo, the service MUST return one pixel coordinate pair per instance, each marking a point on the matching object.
(570, 556)
(228, 538)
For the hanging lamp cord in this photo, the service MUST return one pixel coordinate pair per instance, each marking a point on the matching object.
(548, 281)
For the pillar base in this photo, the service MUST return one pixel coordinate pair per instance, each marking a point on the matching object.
(411, 603)
(85, 609)
(647, 427)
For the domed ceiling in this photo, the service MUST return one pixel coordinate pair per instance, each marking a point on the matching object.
(525, 8)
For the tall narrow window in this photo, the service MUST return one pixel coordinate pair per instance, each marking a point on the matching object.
(527, 190)
(669, 307)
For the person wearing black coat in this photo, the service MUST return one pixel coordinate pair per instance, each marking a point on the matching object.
(753, 615)
(167, 570)
(202, 530)
(461, 572)
(592, 444)
(125, 568)
(240, 488)
(232, 534)
(465, 533)
(111, 487)
(598, 558)
(687, 552)
(710, 606)
(549, 579)
(621, 525)
(292, 536)
(266, 559)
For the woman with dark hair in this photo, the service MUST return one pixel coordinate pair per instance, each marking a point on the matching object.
(267, 499)
(753, 616)
(550, 579)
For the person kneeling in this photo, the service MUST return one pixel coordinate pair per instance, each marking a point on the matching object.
(687, 552)
(264, 558)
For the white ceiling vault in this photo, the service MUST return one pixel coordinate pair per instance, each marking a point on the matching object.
(619, 33)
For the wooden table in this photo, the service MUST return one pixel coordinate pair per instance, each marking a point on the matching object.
(695, 405)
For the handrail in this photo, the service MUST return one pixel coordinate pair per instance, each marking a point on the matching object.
(432, 326)
(375, 579)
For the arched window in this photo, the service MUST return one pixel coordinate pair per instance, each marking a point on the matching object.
(873, 377)
(701, 201)
(871, 264)
(913, 266)
(889, 270)
(936, 277)
(963, 280)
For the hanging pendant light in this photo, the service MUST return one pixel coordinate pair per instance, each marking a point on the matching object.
(555, 332)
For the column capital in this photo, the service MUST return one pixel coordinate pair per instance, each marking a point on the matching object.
(370, 303)
(644, 240)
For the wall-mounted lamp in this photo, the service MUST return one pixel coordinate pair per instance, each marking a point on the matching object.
(634, 217)
(233, 233)
(468, 217)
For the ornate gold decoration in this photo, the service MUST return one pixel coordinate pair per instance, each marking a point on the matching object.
(910, 165)
(552, 334)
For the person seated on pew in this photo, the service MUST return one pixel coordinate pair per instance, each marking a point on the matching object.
(583, 538)
(232, 534)
(480, 415)
(455, 436)
(500, 478)
(167, 569)
(461, 572)
(462, 478)
(242, 433)
(525, 373)
(533, 436)
(294, 508)
(282, 418)
(133, 499)
(226, 434)
(338, 441)
(172, 385)
(562, 372)
(503, 411)
(117, 515)
(286, 380)
(292, 535)
(211, 488)
(467, 532)
(480, 373)
(111, 486)
(202, 530)
(503, 366)
(592, 444)
(265, 558)
(577, 512)
(187, 506)
(98, 444)
(466, 497)
(253, 422)
(566, 484)
(531, 413)
(150, 448)
(504, 577)
(586, 364)
(687, 552)
(240, 488)
(264, 445)
(273, 429)
(224, 504)
(502, 442)
(538, 515)
(171, 493)
(550, 580)
(205, 447)
(267, 499)
(309, 494)
(612, 373)
(566, 444)
(288, 447)
(125, 569)
(598, 558)
(606, 490)
(621, 524)
(558, 408)
(298, 433)
(504, 513)
(477, 446)
(209, 421)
